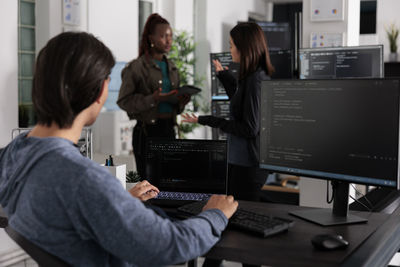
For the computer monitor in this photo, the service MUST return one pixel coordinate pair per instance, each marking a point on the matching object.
(217, 89)
(283, 61)
(346, 131)
(277, 33)
(341, 62)
(187, 165)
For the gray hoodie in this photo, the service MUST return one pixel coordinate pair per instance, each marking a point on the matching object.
(76, 210)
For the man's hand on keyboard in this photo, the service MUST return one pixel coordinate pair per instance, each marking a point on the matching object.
(222, 202)
(144, 191)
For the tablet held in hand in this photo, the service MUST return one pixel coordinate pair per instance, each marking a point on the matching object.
(184, 90)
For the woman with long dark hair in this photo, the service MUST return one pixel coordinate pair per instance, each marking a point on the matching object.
(147, 84)
(248, 48)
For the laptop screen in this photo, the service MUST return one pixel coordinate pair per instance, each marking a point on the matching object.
(187, 165)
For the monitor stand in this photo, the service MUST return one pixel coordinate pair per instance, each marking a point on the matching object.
(338, 215)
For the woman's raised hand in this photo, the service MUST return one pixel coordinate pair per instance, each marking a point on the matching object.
(218, 66)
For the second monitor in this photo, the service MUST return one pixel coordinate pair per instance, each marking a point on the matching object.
(341, 62)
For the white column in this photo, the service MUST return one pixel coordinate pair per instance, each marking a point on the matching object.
(8, 89)
(313, 191)
(8, 70)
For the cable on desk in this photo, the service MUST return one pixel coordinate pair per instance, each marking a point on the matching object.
(365, 197)
(362, 204)
(327, 192)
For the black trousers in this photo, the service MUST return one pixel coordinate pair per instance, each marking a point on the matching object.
(163, 128)
(244, 183)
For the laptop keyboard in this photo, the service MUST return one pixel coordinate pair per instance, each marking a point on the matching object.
(248, 221)
(182, 196)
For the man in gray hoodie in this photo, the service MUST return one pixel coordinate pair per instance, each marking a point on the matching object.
(69, 205)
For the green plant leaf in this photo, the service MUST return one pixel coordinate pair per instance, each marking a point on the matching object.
(132, 177)
(392, 33)
(182, 54)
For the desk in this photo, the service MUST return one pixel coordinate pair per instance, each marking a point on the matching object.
(371, 244)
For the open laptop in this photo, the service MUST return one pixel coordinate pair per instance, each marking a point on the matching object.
(186, 170)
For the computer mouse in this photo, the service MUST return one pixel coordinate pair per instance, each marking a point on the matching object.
(329, 242)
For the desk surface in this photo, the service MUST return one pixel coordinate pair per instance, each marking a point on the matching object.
(294, 247)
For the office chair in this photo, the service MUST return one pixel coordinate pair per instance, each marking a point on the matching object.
(43, 258)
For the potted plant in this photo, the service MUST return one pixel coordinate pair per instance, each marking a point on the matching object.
(132, 178)
(182, 54)
(392, 34)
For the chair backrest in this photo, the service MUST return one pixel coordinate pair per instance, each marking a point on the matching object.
(43, 258)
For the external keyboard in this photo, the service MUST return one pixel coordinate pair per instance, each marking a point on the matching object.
(249, 221)
(182, 196)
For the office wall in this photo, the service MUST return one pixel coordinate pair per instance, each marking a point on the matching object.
(223, 15)
(350, 25)
(184, 15)
(49, 20)
(167, 9)
(116, 24)
(8, 69)
(387, 13)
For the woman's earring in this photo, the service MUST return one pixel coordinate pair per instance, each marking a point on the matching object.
(152, 45)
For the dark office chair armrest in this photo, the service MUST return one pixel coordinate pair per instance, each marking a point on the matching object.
(42, 257)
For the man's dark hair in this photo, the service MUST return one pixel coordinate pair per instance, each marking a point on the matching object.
(250, 40)
(149, 28)
(69, 74)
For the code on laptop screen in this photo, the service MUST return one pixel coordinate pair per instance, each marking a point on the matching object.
(187, 165)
